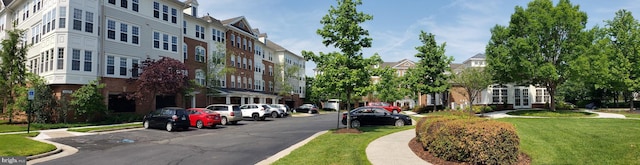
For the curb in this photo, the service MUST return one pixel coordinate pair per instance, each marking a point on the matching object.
(287, 151)
(42, 155)
(61, 151)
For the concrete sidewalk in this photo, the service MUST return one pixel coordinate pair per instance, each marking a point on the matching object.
(393, 149)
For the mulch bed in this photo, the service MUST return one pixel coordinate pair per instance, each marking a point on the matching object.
(345, 130)
(416, 147)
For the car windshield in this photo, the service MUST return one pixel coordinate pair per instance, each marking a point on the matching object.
(236, 108)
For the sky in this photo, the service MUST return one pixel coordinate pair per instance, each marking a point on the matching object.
(463, 25)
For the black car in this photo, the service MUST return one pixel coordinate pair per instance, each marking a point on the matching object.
(169, 118)
(307, 108)
(375, 116)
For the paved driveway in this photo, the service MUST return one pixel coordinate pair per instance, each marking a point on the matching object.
(246, 143)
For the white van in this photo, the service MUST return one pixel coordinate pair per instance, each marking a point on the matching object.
(332, 104)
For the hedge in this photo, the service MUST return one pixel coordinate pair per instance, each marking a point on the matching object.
(473, 140)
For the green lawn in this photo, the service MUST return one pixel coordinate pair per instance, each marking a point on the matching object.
(579, 140)
(333, 148)
(548, 113)
(19, 145)
(108, 128)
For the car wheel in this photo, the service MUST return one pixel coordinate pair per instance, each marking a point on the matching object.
(234, 122)
(255, 117)
(274, 115)
(145, 124)
(199, 124)
(355, 123)
(399, 123)
(169, 127)
(224, 121)
(395, 111)
(263, 118)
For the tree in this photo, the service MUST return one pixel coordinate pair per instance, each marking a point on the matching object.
(344, 71)
(538, 44)
(474, 81)
(388, 88)
(44, 101)
(624, 31)
(284, 78)
(12, 69)
(429, 76)
(217, 69)
(88, 101)
(161, 77)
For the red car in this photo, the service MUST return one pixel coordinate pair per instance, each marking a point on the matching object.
(386, 106)
(202, 117)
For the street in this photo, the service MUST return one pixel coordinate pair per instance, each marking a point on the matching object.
(246, 143)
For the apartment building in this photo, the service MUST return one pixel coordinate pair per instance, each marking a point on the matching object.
(74, 42)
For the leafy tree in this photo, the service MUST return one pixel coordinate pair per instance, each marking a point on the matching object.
(88, 101)
(161, 77)
(474, 81)
(217, 69)
(429, 76)
(284, 78)
(388, 88)
(538, 44)
(344, 72)
(44, 102)
(12, 69)
(624, 31)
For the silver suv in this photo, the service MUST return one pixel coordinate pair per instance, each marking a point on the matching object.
(229, 113)
(256, 111)
(282, 110)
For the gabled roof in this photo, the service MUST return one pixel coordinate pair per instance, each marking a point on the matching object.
(237, 22)
(397, 64)
(479, 55)
(6, 2)
(455, 66)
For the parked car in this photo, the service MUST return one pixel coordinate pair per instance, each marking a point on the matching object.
(282, 109)
(201, 117)
(307, 108)
(256, 111)
(387, 106)
(374, 115)
(229, 113)
(168, 117)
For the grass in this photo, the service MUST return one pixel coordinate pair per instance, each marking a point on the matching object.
(579, 140)
(107, 128)
(333, 148)
(625, 113)
(547, 113)
(19, 145)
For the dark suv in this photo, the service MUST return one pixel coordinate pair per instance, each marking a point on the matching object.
(168, 117)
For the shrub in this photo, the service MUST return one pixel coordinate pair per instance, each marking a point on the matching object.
(561, 105)
(420, 109)
(469, 139)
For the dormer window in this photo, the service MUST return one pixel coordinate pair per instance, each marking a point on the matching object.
(194, 11)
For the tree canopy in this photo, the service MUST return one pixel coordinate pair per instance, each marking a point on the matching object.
(161, 77)
(474, 81)
(428, 76)
(12, 69)
(538, 44)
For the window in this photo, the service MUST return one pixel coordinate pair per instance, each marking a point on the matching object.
(134, 5)
(238, 43)
(249, 45)
(123, 66)
(233, 39)
(200, 77)
(174, 44)
(111, 29)
(63, 17)
(184, 50)
(110, 65)
(123, 32)
(45, 59)
(124, 3)
(233, 59)
(112, 2)
(200, 54)
(244, 63)
(542, 96)
(165, 41)
(249, 64)
(156, 9)
(499, 94)
(87, 61)
(201, 32)
(77, 19)
(75, 59)
(184, 27)
(88, 25)
(174, 15)
(52, 20)
(197, 31)
(244, 44)
(60, 59)
(156, 40)
(135, 70)
(165, 12)
(135, 35)
(233, 81)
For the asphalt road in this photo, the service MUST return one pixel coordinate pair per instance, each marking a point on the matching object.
(246, 143)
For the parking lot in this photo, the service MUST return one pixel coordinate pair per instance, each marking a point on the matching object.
(246, 143)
